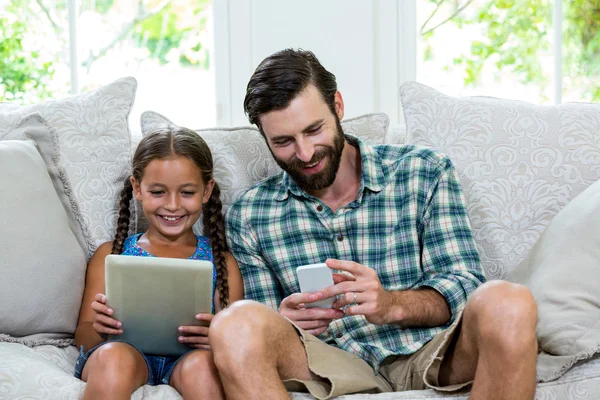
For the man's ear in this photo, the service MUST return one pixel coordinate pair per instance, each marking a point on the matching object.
(338, 102)
(137, 189)
(208, 191)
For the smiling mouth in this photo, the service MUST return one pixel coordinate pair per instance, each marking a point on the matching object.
(171, 219)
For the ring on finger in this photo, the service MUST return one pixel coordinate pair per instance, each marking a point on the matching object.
(354, 302)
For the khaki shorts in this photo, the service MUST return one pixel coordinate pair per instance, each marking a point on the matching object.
(345, 373)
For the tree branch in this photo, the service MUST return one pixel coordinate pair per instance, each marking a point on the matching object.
(437, 7)
(47, 12)
(454, 14)
(136, 21)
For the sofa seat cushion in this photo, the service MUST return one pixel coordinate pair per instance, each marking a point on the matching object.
(46, 372)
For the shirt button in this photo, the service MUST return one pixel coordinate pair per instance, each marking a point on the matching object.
(319, 208)
(339, 335)
(340, 238)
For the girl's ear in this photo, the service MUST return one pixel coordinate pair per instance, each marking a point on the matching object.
(137, 189)
(208, 191)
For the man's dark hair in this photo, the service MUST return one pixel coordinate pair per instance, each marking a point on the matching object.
(279, 78)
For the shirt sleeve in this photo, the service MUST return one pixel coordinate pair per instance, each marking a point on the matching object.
(260, 284)
(450, 260)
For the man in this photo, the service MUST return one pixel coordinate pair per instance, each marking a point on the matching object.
(412, 311)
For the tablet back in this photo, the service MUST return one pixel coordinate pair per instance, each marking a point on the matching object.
(153, 296)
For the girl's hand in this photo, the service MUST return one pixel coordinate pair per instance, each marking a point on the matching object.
(196, 336)
(104, 324)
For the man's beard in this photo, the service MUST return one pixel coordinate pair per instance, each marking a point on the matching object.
(326, 176)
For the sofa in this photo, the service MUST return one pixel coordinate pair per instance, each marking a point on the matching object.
(528, 174)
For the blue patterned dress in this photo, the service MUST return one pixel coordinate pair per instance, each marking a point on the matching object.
(203, 252)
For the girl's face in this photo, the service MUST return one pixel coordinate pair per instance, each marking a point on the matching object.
(172, 194)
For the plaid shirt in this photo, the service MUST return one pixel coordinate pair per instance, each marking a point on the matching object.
(408, 222)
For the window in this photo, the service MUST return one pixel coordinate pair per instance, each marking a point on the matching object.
(535, 50)
(81, 45)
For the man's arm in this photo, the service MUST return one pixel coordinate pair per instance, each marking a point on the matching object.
(260, 284)
(449, 262)
(449, 258)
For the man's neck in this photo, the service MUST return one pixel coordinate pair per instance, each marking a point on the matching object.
(347, 181)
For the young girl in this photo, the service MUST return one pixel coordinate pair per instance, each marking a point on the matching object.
(172, 178)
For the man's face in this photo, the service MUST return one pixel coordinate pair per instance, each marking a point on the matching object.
(306, 139)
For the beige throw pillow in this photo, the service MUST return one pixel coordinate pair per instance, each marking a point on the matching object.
(42, 264)
(563, 272)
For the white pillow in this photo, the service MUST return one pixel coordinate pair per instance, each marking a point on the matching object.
(95, 145)
(42, 264)
(563, 273)
(519, 163)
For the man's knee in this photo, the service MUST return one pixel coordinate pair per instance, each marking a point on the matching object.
(504, 314)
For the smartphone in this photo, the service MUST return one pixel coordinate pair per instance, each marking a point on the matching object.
(313, 278)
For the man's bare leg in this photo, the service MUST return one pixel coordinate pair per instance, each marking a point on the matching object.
(497, 345)
(255, 348)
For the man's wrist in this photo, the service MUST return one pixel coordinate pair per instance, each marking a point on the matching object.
(394, 313)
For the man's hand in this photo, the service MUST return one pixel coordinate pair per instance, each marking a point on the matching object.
(313, 320)
(361, 292)
(196, 336)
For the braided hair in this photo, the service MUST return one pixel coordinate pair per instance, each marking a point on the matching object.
(176, 141)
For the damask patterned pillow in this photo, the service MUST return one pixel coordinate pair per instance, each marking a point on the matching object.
(94, 143)
(519, 163)
(242, 157)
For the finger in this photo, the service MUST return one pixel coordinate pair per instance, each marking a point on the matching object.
(316, 324)
(104, 330)
(361, 309)
(337, 278)
(200, 346)
(100, 298)
(193, 330)
(355, 269)
(347, 299)
(102, 308)
(204, 317)
(193, 339)
(343, 287)
(294, 300)
(312, 314)
(317, 331)
(108, 321)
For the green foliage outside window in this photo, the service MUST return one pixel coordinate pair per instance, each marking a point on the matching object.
(517, 32)
(22, 72)
(169, 31)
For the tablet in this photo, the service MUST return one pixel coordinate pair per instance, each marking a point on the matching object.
(153, 296)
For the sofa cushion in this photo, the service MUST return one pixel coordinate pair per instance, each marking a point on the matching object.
(519, 163)
(242, 158)
(563, 271)
(42, 264)
(95, 147)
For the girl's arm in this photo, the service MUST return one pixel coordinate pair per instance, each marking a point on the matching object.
(94, 283)
(234, 279)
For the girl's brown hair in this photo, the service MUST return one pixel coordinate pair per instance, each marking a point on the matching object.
(169, 142)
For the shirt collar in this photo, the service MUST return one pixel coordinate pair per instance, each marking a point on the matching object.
(373, 177)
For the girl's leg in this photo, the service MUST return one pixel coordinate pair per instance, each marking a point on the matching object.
(114, 371)
(196, 376)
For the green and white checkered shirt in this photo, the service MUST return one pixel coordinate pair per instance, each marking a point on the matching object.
(408, 222)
